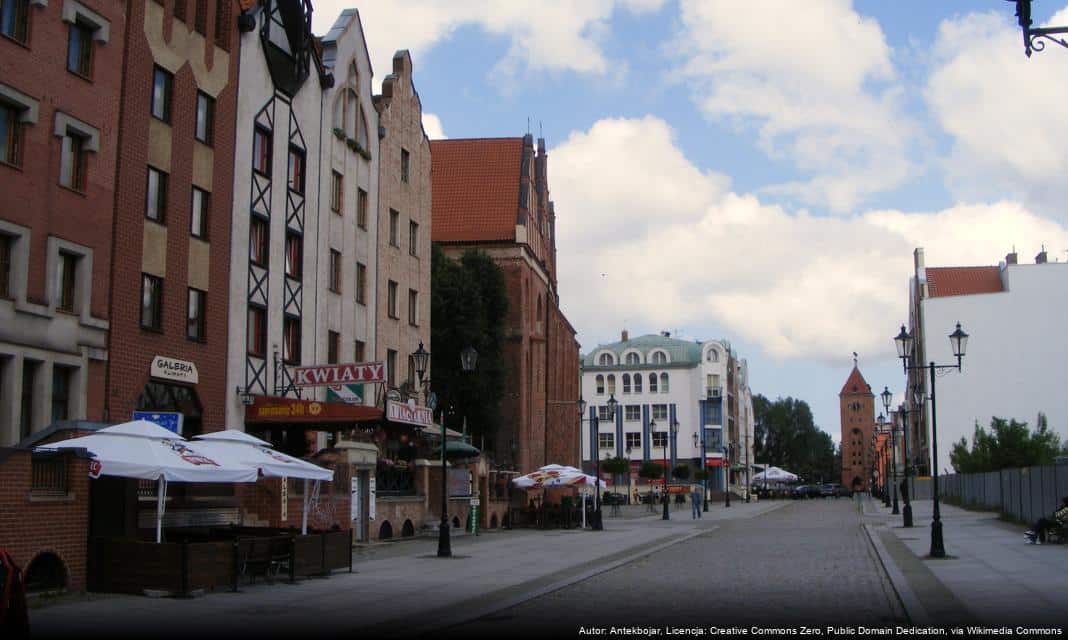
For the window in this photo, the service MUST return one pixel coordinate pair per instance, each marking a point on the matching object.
(80, 49)
(257, 331)
(296, 169)
(361, 283)
(151, 302)
(611, 385)
(72, 162)
(335, 271)
(6, 248)
(405, 162)
(257, 241)
(606, 440)
(626, 383)
(634, 440)
(68, 273)
(659, 357)
(205, 124)
(633, 358)
(162, 84)
(291, 340)
(29, 381)
(361, 209)
(413, 238)
(358, 353)
(394, 218)
(660, 412)
(413, 307)
(15, 19)
(637, 383)
(10, 135)
(197, 316)
(333, 345)
(156, 195)
(713, 355)
(652, 383)
(336, 191)
(391, 304)
(663, 383)
(61, 377)
(605, 360)
(198, 217)
(660, 439)
(294, 255)
(391, 368)
(600, 385)
(632, 412)
(261, 151)
(603, 415)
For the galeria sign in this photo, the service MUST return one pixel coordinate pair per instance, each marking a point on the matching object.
(339, 374)
(174, 369)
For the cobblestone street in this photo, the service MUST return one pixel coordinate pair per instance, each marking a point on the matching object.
(806, 563)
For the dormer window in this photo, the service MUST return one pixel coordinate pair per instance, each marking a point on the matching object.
(605, 360)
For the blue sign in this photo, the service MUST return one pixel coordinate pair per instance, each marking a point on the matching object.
(169, 420)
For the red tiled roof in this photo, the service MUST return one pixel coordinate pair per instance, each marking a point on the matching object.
(855, 383)
(962, 281)
(475, 193)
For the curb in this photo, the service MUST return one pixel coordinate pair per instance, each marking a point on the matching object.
(910, 602)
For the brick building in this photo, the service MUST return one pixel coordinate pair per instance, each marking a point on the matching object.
(492, 194)
(60, 81)
(857, 409)
(169, 288)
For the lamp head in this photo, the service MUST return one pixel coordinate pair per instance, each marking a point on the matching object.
(959, 341)
(903, 341)
(468, 358)
(887, 398)
(420, 358)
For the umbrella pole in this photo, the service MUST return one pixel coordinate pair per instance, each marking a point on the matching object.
(583, 509)
(161, 498)
(304, 512)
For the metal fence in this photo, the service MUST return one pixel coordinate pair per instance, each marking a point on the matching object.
(1025, 494)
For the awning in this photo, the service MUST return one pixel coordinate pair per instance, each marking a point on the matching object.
(458, 449)
(267, 410)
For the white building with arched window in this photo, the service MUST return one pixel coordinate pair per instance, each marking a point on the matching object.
(703, 387)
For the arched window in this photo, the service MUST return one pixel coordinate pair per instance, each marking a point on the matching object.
(652, 383)
(600, 385)
(633, 358)
(611, 385)
(659, 357)
(663, 383)
(713, 355)
(626, 383)
(605, 360)
(637, 383)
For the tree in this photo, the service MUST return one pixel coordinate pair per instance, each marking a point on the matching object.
(786, 436)
(681, 471)
(1009, 444)
(616, 465)
(651, 471)
(469, 306)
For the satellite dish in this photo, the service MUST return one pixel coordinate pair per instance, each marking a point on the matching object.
(432, 401)
(393, 395)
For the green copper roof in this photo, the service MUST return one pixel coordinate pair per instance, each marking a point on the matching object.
(679, 351)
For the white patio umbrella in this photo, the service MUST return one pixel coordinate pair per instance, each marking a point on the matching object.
(259, 454)
(146, 451)
(775, 474)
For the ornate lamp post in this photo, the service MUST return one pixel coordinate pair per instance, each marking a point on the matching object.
(728, 451)
(884, 461)
(958, 341)
(704, 481)
(906, 511)
(1031, 35)
(672, 429)
(887, 399)
(595, 426)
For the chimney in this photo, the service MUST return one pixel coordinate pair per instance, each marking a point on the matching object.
(666, 334)
(625, 336)
(1041, 257)
(1010, 258)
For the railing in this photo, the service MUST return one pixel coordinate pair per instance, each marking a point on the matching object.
(395, 482)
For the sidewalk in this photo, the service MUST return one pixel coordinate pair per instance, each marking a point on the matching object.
(990, 576)
(397, 587)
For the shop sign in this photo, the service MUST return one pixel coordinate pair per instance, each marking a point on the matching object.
(169, 420)
(372, 495)
(173, 369)
(302, 411)
(331, 374)
(409, 414)
(347, 393)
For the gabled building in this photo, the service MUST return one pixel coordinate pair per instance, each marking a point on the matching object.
(492, 194)
(856, 406)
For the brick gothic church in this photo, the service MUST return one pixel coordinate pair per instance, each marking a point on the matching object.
(857, 405)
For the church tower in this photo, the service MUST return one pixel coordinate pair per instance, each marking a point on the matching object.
(857, 405)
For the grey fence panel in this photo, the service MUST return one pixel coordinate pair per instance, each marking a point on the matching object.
(992, 490)
(1060, 472)
(922, 488)
(1034, 489)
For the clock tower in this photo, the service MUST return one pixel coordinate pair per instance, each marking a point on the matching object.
(857, 405)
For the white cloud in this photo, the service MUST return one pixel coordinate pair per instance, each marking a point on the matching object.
(646, 238)
(432, 126)
(552, 35)
(1004, 112)
(805, 76)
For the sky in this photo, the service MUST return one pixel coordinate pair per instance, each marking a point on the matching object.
(762, 171)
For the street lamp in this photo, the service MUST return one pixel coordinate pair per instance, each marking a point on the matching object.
(887, 399)
(727, 452)
(906, 511)
(1031, 35)
(881, 430)
(595, 427)
(673, 428)
(958, 341)
(704, 469)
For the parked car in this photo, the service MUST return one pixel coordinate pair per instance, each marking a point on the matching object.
(834, 490)
(803, 491)
(610, 498)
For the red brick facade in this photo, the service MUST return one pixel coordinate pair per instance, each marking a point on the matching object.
(189, 262)
(857, 407)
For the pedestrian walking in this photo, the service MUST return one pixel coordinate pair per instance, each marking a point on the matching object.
(695, 501)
